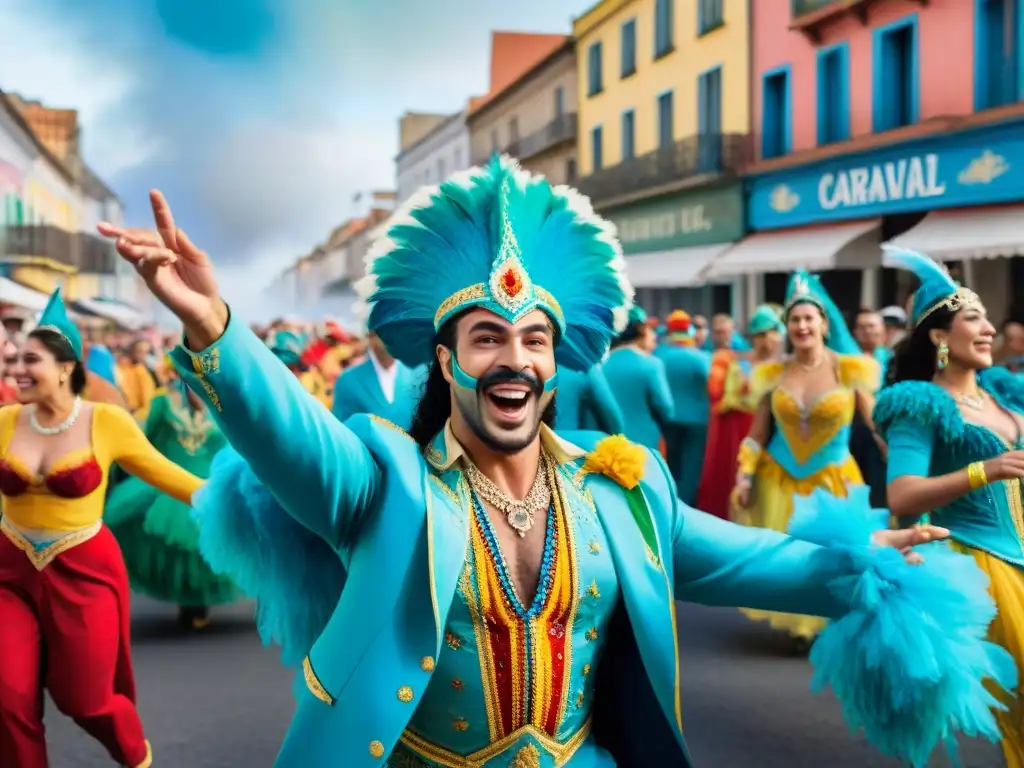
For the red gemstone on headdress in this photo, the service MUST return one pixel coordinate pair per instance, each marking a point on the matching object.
(511, 283)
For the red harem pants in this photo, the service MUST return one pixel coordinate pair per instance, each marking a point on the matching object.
(68, 627)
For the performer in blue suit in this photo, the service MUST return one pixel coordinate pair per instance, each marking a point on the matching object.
(638, 381)
(686, 369)
(380, 385)
(585, 401)
(492, 593)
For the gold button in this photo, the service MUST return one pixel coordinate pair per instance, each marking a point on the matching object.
(376, 749)
(427, 664)
(405, 694)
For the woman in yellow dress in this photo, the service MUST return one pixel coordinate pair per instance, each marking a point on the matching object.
(955, 428)
(800, 436)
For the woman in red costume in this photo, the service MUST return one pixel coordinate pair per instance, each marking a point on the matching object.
(732, 413)
(63, 585)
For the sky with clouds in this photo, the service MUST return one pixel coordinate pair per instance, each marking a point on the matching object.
(260, 119)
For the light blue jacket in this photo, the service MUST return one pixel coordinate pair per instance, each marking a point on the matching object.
(357, 390)
(374, 498)
(687, 370)
(585, 401)
(641, 389)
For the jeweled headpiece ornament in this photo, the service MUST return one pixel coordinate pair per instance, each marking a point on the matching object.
(55, 318)
(505, 240)
(937, 289)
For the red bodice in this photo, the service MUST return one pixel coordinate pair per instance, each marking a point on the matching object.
(70, 483)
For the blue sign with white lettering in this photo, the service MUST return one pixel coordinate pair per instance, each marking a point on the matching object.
(979, 167)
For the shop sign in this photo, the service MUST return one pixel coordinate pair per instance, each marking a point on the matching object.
(682, 220)
(969, 168)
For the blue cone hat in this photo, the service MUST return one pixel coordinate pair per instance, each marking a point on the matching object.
(55, 318)
(504, 240)
(937, 288)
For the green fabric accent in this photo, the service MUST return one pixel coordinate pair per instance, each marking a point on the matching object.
(642, 515)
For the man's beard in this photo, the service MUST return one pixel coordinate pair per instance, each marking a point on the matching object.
(470, 403)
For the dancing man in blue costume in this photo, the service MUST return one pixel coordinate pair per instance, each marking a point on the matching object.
(487, 592)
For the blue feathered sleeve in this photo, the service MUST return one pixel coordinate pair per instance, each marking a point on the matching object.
(922, 403)
(294, 575)
(1007, 386)
(909, 659)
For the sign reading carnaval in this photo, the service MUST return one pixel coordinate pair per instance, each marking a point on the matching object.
(680, 220)
(969, 168)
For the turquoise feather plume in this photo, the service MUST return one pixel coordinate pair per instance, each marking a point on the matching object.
(293, 575)
(910, 659)
(936, 283)
(448, 242)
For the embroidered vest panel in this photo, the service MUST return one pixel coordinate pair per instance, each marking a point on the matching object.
(512, 676)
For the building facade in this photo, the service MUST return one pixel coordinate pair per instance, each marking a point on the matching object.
(439, 149)
(533, 118)
(663, 134)
(884, 121)
(51, 204)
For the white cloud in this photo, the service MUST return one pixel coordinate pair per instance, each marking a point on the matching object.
(40, 60)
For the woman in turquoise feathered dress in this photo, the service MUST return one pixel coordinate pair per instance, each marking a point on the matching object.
(157, 534)
(955, 431)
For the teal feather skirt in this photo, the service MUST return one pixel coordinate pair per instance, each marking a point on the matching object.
(160, 542)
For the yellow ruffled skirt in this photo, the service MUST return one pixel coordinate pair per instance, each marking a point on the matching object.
(771, 506)
(1006, 585)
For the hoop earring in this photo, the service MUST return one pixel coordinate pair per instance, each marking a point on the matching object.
(942, 359)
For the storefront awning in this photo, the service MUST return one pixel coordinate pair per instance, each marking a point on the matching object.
(961, 234)
(677, 268)
(21, 296)
(850, 245)
(120, 313)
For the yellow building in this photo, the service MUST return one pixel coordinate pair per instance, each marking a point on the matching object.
(664, 122)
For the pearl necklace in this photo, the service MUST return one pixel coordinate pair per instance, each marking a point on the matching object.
(64, 426)
(519, 514)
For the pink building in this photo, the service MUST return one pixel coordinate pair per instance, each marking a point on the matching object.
(879, 121)
(940, 35)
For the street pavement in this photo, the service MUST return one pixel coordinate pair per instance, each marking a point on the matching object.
(221, 700)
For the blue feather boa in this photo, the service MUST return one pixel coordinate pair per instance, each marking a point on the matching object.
(295, 577)
(909, 659)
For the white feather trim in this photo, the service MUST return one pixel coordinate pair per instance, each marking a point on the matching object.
(366, 286)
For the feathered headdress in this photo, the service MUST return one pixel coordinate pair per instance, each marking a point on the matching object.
(504, 240)
(937, 288)
(55, 318)
(805, 288)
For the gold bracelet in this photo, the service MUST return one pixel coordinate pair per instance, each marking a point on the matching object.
(976, 475)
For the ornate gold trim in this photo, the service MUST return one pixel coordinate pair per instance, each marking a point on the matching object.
(390, 424)
(40, 558)
(313, 683)
(462, 296)
(560, 752)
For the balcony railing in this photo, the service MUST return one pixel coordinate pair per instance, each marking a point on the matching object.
(705, 154)
(74, 249)
(559, 130)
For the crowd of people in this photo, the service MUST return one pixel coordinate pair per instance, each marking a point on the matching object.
(485, 503)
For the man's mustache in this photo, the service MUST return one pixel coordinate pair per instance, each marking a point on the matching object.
(505, 376)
